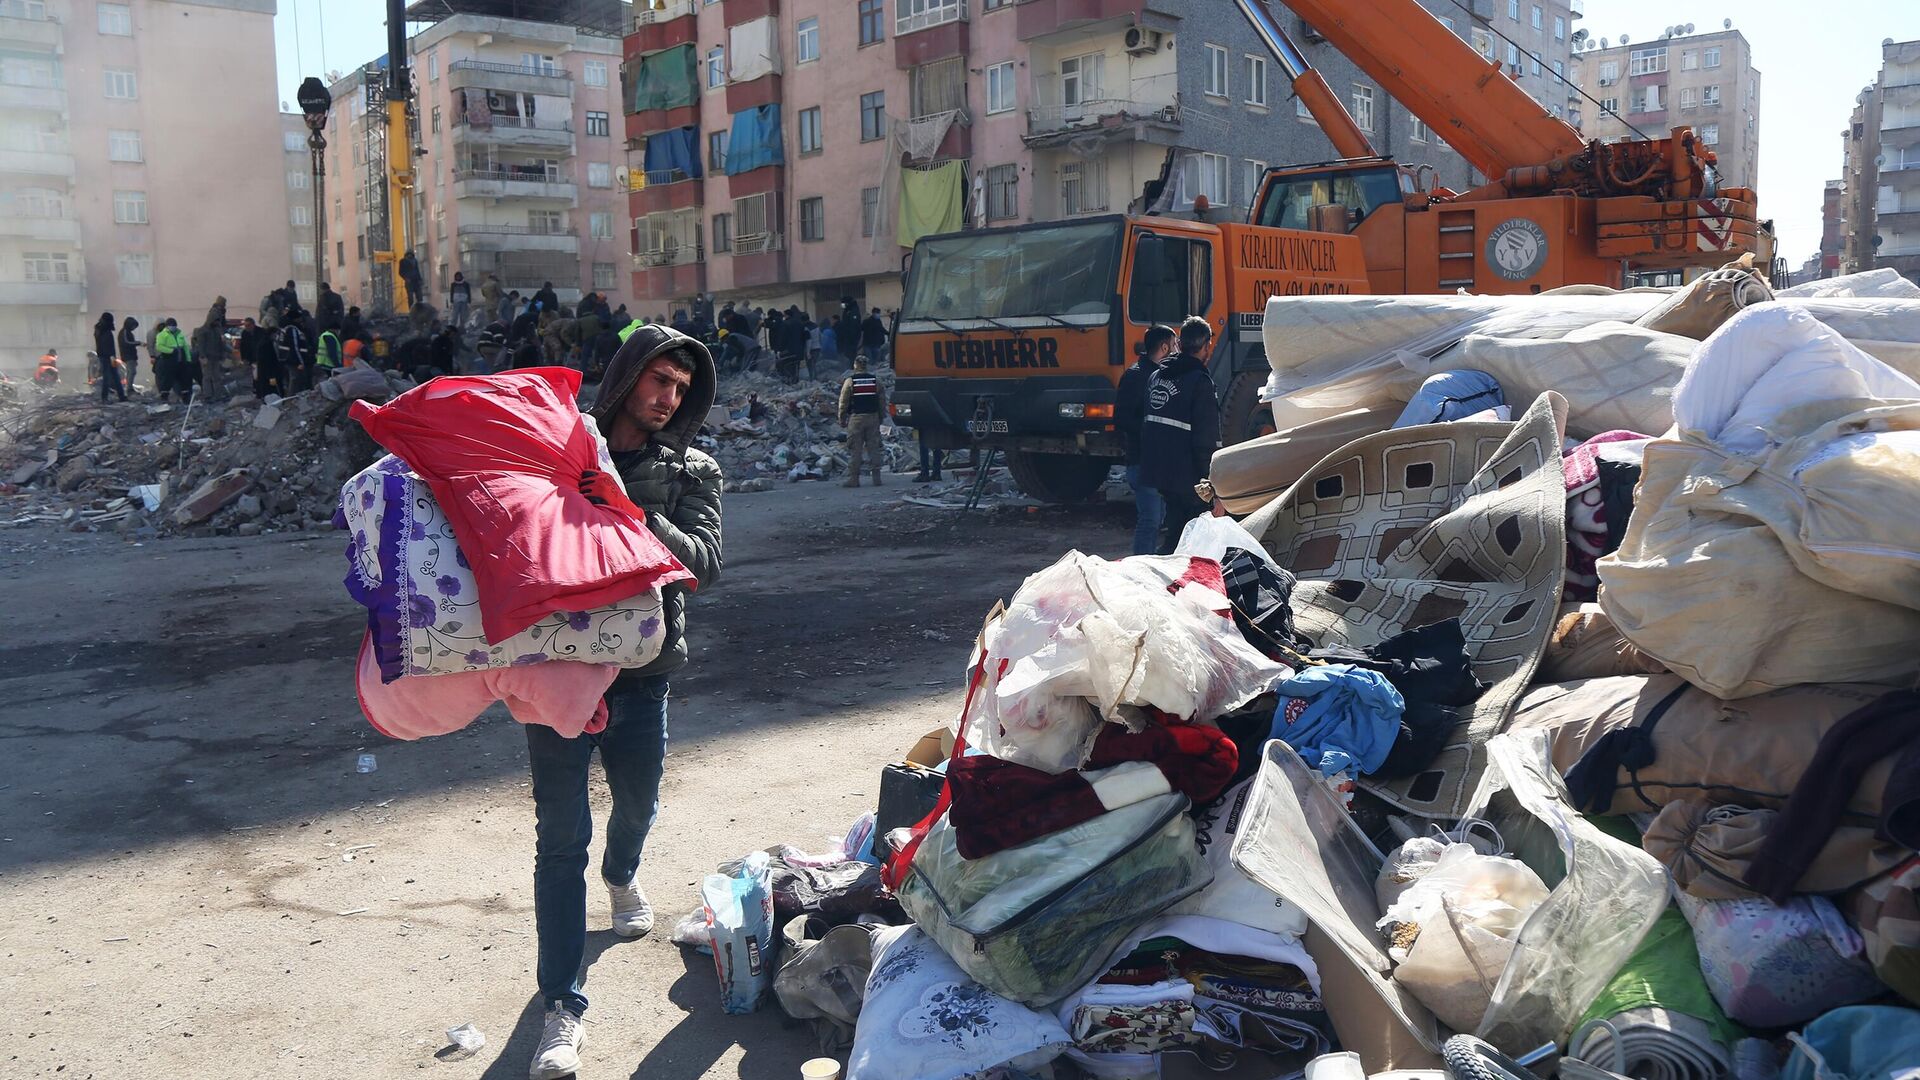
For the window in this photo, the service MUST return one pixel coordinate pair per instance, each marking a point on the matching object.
(1713, 57)
(1559, 28)
(1610, 106)
(1363, 106)
(122, 85)
(1001, 96)
(440, 226)
(1687, 98)
(433, 67)
(809, 121)
(723, 232)
(716, 67)
(1559, 70)
(716, 151)
(603, 275)
(1536, 17)
(1689, 59)
(813, 219)
(1710, 134)
(1080, 79)
(130, 207)
(598, 123)
(40, 203)
(1083, 186)
(600, 225)
(303, 254)
(872, 24)
(1646, 61)
(135, 269)
(1300, 110)
(293, 141)
(1417, 129)
(300, 215)
(1533, 64)
(115, 19)
(757, 224)
(435, 120)
(336, 208)
(1003, 192)
(538, 64)
(1483, 43)
(920, 14)
(594, 73)
(1513, 10)
(1256, 81)
(869, 211)
(125, 145)
(1172, 279)
(47, 266)
(1710, 96)
(1647, 99)
(599, 174)
(1216, 71)
(807, 49)
(873, 116)
(1206, 174)
(938, 87)
(1609, 72)
(1250, 174)
(545, 222)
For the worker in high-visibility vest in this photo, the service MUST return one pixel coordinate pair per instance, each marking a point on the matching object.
(48, 373)
(327, 360)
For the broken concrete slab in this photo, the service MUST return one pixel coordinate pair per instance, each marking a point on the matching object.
(212, 496)
(267, 417)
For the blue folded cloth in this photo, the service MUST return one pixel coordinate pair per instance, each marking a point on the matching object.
(1339, 716)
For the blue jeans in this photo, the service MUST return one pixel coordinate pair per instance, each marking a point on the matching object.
(1149, 510)
(633, 752)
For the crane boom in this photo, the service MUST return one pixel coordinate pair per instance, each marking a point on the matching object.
(400, 176)
(1308, 85)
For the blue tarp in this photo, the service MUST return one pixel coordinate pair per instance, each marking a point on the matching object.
(673, 155)
(754, 140)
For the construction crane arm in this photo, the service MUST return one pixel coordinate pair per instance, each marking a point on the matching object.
(1308, 85)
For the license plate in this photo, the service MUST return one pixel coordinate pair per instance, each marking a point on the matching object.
(986, 427)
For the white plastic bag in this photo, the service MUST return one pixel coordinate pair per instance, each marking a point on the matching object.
(739, 910)
(1210, 537)
(1467, 909)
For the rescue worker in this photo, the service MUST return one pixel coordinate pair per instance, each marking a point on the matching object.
(1181, 429)
(1129, 414)
(103, 350)
(862, 403)
(130, 350)
(47, 375)
(329, 355)
(657, 393)
(256, 351)
(329, 309)
(491, 297)
(410, 277)
(873, 337)
(210, 341)
(547, 298)
(173, 362)
(292, 347)
(459, 298)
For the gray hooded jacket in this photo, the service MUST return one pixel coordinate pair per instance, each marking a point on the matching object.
(678, 486)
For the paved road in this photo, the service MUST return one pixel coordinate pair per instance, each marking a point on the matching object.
(185, 834)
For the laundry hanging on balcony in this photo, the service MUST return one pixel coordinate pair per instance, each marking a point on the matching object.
(921, 137)
(931, 201)
(479, 113)
(753, 49)
(755, 139)
(665, 80)
(673, 155)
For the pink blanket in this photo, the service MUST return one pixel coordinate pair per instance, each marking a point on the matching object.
(561, 694)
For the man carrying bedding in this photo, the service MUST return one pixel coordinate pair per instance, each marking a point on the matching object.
(653, 399)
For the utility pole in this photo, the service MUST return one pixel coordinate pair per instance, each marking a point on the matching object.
(315, 102)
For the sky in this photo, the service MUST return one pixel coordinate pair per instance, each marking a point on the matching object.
(1813, 61)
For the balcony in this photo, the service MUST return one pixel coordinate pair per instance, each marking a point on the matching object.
(1043, 18)
(682, 255)
(505, 184)
(932, 13)
(1578, 8)
(666, 189)
(62, 229)
(657, 30)
(1118, 119)
(758, 259)
(38, 98)
(518, 238)
(509, 77)
(69, 294)
(38, 35)
(517, 132)
(757, 243)
(36, 163)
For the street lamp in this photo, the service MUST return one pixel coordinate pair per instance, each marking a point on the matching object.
(315, 102)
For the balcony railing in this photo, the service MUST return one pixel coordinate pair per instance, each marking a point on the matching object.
(682, 255)
(516, 122)
(658, 177)
(674, 9)
(933, 13)
(1059, 117)
(509, 174)
(509, 69)
(756, 243)
(517, 230)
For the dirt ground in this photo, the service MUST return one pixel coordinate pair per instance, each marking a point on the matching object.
(195, 882)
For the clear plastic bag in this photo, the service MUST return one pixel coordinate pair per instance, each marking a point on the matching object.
(1467, 909)
(1604, 896)
(739, 910)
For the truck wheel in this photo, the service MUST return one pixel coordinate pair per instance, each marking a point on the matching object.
(1057, 478)
(1243, 415)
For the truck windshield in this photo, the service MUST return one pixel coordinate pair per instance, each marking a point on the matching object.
(1056, 270)
(1361, 190)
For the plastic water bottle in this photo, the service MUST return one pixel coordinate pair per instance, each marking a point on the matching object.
(366, 764)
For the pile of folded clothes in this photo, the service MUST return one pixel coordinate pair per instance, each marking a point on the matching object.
(498, 558)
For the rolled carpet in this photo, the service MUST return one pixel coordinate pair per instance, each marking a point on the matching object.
(1653, 1044)
(1659, 1011)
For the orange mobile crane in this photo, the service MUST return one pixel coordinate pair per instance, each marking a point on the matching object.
(1014, 339)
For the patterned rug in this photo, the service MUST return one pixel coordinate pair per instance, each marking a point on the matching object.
(1417, 525)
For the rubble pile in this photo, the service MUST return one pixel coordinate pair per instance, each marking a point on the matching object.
(797, 436)
(243, 466)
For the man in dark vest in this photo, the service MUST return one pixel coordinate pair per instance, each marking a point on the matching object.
(862, 403)
(1181, 429)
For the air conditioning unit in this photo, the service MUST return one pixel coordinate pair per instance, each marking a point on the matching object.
(1141, 41)
(1608, 82)
(1307, 31)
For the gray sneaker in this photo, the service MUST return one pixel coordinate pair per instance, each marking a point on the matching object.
(632, 915)
(558, 1054)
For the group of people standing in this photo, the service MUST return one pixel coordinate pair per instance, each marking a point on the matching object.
(743, 336)
(176, 356)
(1166, 410)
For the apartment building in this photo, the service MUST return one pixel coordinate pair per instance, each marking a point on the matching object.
(523, 176)
(1706, 81)
(109, 138)
(302, 235)
(1879, 189)
(787, 151)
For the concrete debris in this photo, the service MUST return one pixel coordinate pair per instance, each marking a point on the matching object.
(775, 430)
(212, 496)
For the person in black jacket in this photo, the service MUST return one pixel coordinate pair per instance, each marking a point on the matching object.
(1181, 429)
(104, 347)
(329, 310)
(130, 349)
(1129, 414)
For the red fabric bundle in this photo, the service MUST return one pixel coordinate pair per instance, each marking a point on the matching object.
(505, 456)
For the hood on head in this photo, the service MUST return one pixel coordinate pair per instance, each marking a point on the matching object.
(623, 372)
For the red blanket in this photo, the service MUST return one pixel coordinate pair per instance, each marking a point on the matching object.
(506, 457)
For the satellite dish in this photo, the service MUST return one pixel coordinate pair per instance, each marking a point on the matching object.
(1688, 29)
(1603, 43)
(1726, 24)
(1886, 41)
(1624, 39)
